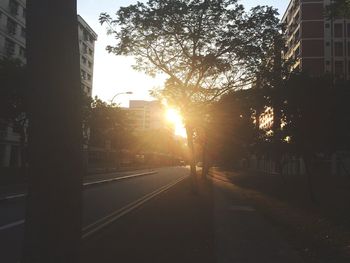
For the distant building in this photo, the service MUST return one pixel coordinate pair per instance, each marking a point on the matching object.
(87, 38)
(13, 45)
(266, 119)
(145, 115)
(318, 44)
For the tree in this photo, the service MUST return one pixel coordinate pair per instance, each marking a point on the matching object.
(12, 77)
(232, 132)
(339, 9)
(206, 48)
(311, 121)
(107, 125)
(53, 207)
(13, 102)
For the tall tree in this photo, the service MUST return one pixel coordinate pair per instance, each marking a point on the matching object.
(339, 9)
(206, 48)
(13, 102)
(53, 217)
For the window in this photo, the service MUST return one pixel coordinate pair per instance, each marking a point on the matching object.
(23, 32)
(349, 49)
(90, 64)
(338, 30)
(90, 51)
(83, 59)
(339, 68)
(328, 62)
(338, 49)
(11, 26)
(13, 6)
(83, 75)
(297, 53)
(327, 44)
(89, 77)
(349, 30)
(24, 13)
(22, 52)
(9, 47)
(327, 25)
(85, 49)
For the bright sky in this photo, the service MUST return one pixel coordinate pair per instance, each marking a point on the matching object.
(114, 74)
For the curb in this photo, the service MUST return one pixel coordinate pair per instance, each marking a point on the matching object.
(118, 178)
(86, 184)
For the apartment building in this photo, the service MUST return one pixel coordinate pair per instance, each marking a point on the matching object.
(13, 45)
(87, 38)
(319, 45)
(145, 115)
(13, 29)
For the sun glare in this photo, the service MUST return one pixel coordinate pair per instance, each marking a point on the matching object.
(174, 117)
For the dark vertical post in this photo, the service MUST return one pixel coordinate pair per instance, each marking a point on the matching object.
(53, 218)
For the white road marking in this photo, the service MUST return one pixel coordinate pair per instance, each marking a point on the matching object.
(15, 196)
(118, 178)
(105, 221)
(13, 224)
(102, 222)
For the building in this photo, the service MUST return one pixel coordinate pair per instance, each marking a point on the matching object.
(266, 120)
(87, 38)
(13, 45)
(12, 29)
(318, 44)
(145, 115)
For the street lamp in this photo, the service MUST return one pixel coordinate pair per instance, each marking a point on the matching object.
(121, 93)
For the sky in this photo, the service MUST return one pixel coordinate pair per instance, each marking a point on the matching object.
(113, 74)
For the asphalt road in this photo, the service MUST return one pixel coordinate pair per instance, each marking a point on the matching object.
(103, 203)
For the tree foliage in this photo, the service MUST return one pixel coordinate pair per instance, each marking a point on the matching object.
(339, 9)
(107, 124)
(12, 90)
(205, 48)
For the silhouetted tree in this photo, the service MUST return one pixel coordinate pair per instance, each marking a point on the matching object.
(310, 110)
(13, 99)
(53, 208)
(232, 131)
(338, 9)
(206, 48)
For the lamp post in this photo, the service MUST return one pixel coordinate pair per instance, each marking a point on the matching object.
(121, 93)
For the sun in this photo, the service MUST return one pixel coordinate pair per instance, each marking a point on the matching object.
(174, 117)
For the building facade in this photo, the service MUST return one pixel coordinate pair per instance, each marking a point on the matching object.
(318, 44)
(12, 29)
(145, 115)
(87, 38)
(13, 45)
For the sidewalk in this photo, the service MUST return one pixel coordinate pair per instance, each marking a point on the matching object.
(179, 226)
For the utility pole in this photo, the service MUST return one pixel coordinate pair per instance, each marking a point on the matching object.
(53, 217)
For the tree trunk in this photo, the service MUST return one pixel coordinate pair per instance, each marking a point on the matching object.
(205, 168)
(193, 174)
(53, 216)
